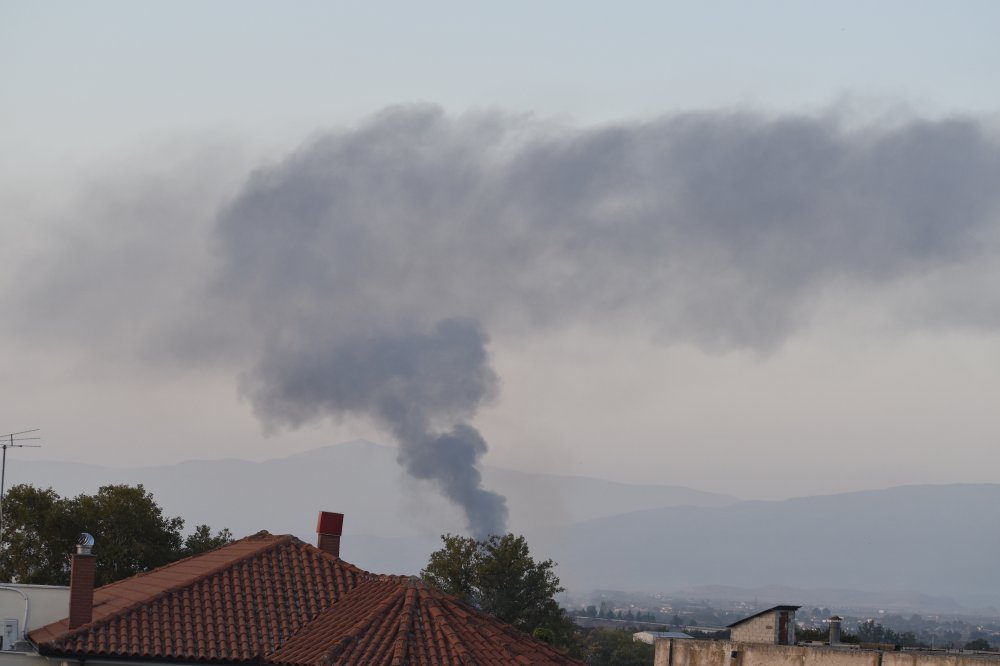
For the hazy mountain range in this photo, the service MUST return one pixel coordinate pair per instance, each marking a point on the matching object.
(942, 541)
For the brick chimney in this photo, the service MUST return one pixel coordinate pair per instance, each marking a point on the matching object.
(328, 531)
(81, 582)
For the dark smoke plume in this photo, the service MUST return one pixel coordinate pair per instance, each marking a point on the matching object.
(420, 386)
(359, 274)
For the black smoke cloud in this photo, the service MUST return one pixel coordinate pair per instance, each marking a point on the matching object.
(360, 274)
(716, 229)
(421, 386)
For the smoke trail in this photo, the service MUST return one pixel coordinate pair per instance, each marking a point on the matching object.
(421, 386)
(358, 251)
(359, 274)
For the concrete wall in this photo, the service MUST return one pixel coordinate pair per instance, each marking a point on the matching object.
(762, 629)
(681, 652)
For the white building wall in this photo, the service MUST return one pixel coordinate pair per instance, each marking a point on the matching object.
(33, 606)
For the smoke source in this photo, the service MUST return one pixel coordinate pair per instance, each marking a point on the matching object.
(421, 386)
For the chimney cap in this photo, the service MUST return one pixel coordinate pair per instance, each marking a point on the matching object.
(330, 523)
(84, 543)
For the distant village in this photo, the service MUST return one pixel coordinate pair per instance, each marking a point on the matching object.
(704, 618)
(856, 633)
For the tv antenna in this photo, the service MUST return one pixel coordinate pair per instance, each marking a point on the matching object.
(8, 442)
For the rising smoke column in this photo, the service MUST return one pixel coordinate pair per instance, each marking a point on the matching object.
(361, 273)
(354, 312)
(421, 386)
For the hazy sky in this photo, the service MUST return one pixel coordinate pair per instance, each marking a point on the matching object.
(743, 247)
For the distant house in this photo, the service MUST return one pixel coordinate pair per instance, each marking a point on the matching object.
(271, 600)
(775, 626)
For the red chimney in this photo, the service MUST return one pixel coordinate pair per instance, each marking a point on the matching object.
(328, 531)
(81, 582)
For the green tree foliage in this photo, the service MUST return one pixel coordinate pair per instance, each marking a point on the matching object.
(202, 540)
(818, 634)
(499, 576)
(455, 568)
(871, 631)
(39, 532)
(614, 647)
(131, 533)
(977, 644)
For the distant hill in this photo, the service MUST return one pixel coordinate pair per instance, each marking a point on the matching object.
(360, 479)
(900, 544)
(938, 540)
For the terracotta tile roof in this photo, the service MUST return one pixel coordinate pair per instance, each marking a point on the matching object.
(395, 620)
(233, 604)
(277, 600)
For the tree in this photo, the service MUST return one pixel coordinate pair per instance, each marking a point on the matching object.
(499, 576)
(454, 568)
(977, 644)
(39, 532)
(870, 631)
(131, 533)
(812, 634)
(614, 647)
(202, 541)
(134, 534)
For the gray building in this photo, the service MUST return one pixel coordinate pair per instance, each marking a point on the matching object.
(775, 626)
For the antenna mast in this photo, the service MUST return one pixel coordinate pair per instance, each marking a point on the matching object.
(8, 442)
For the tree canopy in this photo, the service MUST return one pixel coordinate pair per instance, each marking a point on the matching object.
(615, 647)
(499, 576)
(132, 534)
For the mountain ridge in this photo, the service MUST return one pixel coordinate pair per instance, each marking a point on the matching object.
(932, 538)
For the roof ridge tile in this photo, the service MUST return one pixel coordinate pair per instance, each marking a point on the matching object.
(405, 627)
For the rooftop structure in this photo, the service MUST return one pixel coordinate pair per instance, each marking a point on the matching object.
(273, 599)
(775, 626)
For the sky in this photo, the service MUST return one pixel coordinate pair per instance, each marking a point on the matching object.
(742, 247)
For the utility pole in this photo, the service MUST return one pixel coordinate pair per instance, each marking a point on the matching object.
(8, 442)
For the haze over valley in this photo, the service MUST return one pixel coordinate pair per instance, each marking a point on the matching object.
(923, 548)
